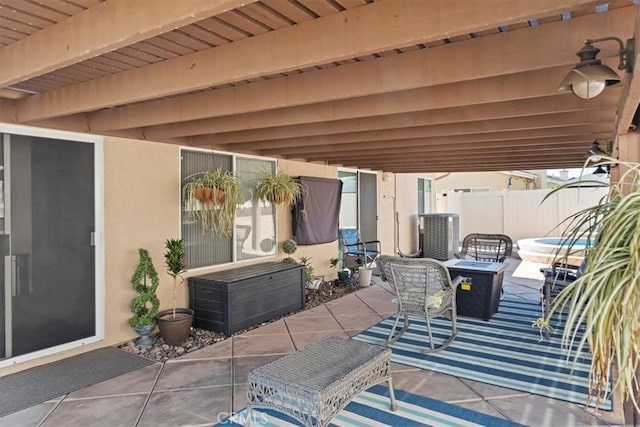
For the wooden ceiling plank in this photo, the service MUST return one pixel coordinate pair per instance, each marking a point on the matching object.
(204, 35)
(18, 27)
(289, 10)
(222, 29)
(100, 29)
(163, 42)
(36, 9)
(330, 38)
(239, 21)
(17, 15)
(150, 48)
(125, 59)
(115, 65)
(192, 43)
(350, 4)
(267, 17)
(63, 6)
(319, 7)
(137, 53)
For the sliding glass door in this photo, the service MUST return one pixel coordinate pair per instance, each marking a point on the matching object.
(47, 252)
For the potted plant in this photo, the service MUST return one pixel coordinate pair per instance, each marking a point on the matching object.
(311, 281)
(604, 299)
(144, 306)
(289, 246)
(343, 274)
(278, 188)
(213, 198)
(175, 323)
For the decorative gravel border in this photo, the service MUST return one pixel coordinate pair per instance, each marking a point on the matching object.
(200, 338)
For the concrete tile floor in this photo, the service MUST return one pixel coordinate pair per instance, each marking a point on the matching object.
(205, 386)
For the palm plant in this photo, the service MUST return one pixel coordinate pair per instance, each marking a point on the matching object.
(606, 297)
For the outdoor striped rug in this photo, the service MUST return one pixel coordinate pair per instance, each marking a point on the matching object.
(505, 351)
(371, 408)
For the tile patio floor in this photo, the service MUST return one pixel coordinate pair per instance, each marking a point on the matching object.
(209, 383)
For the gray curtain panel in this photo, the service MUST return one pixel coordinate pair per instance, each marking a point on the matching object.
(315, 215)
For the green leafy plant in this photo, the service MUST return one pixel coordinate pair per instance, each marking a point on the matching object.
(213, 198)
(145, 282)
(289, 247)
(175, 263)
(333, 262)
(606, 297)
(278, 188)
(309, 270)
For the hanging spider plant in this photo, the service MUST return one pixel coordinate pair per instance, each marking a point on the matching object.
(278, 188)
(213, 198)
(606, 297)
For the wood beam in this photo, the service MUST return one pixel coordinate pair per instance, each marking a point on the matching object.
(320, 151)
(515, 146)
(630, 98)
(477, 58)
(496, 110)
(100, 29)
(454, 164)
(475, 168)
(354, 109)
(7, 111)
(473, 127)
(532, 84)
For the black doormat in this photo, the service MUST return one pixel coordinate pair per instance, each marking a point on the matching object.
(42, 383)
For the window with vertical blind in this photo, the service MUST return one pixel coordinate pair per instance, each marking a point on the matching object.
(255, 230)
(424, 196)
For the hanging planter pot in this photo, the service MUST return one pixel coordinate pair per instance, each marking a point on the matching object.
(212, 198)
(278, 188)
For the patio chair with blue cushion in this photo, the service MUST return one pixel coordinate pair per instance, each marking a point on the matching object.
(423, 289)
(354, 249)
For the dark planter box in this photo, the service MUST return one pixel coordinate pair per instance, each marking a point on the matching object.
(231, 300)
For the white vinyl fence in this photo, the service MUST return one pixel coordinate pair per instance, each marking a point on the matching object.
(520, 214)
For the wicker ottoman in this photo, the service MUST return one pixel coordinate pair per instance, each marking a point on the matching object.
(313, 384)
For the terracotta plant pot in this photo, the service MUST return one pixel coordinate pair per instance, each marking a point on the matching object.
(175, 331)
(218, 196)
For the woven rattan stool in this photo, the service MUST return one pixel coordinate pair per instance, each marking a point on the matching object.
(313, 384)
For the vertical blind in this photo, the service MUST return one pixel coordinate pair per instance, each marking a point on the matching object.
(202, 248)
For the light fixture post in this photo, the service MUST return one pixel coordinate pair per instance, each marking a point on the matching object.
(589, 77)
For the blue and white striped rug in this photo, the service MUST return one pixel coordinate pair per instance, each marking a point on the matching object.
(505, 351)
(371, 408)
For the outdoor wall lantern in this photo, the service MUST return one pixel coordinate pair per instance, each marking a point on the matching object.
(596, 153)
(589, 77)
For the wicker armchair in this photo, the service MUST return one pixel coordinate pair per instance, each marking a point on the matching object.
(423, 288)
(486, 247)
